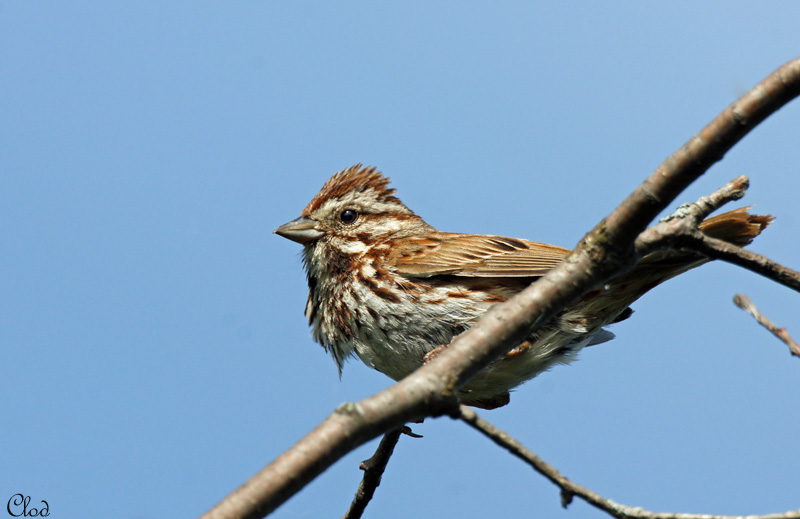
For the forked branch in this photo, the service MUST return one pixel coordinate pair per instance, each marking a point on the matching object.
(606, 251)
(680, 231)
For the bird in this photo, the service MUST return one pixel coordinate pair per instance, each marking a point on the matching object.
(387, 287)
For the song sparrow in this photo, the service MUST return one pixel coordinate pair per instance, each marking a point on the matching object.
(385, 285)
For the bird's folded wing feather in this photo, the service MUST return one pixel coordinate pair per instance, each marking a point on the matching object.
(474, 255)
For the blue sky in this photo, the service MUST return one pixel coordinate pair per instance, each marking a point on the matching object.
(154, 349)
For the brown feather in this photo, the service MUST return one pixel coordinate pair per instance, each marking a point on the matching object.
(474, 255)
(738, 226)
(354, 178)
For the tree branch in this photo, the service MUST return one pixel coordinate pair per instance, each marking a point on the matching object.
(722, 250)
(680, 231)
(570, 489)
(373, 471)
(685, 220)
(606, 251)
(743, 302)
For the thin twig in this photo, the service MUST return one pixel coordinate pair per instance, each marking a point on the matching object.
(743, 302)
(570, 489)
(733, 190)
(373, 470)
(722, 250)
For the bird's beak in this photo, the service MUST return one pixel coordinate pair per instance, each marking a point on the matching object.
(302, 230)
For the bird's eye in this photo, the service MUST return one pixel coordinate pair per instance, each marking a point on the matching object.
(348, 216)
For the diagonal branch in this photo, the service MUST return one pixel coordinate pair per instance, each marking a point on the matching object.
(570, 489)
(721, 250)
(606, 251)
(743, 302)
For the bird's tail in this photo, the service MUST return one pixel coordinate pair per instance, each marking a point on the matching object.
(609, 304)
(737, 227)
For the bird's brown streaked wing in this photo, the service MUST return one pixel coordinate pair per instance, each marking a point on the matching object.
(474, 255)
